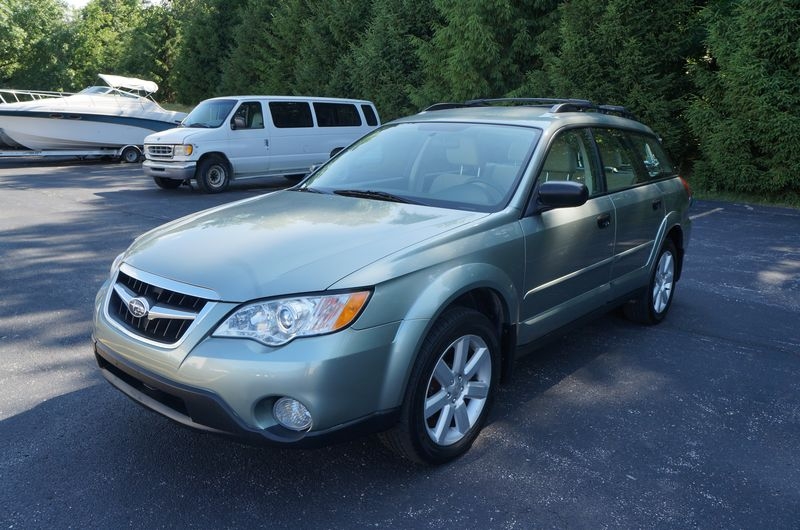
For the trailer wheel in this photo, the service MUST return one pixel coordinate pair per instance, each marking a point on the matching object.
(131, 154)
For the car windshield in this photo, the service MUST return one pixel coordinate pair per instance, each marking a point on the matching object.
(209, 113)
(453, 165)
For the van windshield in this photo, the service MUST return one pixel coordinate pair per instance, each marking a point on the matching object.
(209, 113)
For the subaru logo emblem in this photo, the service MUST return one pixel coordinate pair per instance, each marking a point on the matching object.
(139, 307)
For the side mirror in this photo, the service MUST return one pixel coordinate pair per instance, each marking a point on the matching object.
(237, 123)
(560, 194)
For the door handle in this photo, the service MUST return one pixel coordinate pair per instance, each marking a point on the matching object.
(266, 142)
(604, 220)
(657, 204)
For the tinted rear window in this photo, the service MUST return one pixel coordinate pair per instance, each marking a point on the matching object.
(287, 114)
(337, 115)
(369, 115)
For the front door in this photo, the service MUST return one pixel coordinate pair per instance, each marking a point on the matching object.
(568, 251)
(248, 148)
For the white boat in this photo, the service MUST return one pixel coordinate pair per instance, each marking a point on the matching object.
(112, 116)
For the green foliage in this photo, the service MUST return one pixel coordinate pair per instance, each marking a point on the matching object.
(388, 68)
(718, 79)
(205, 46)
(479, 48)
(625, 52)
(746, 115)
(33, 37)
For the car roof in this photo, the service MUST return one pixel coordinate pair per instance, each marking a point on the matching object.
(542, 116)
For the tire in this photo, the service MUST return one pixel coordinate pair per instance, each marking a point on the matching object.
(213, 175)
(448, 397)
(130, 155)
(653, 304)
(167, 184)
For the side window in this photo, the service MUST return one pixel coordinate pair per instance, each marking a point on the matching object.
(569, 158)
(337, 115)
(622, 166)
(655, 160)
(369, 115)
(248, 116)
(289, 114)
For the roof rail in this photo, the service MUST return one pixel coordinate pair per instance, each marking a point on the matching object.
(558, 105)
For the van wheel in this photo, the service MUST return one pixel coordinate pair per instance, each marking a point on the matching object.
(167, 184)
(652, 305)
(213, 175)
(450, 391)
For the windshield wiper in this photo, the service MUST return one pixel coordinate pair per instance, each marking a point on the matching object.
(374, 194)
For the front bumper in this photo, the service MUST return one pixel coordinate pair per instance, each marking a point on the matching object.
(170, 170)
(208, 412)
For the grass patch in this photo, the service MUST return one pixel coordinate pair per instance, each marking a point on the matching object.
(787, 201)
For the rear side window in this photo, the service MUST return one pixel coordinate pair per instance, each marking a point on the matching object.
(621, 164)
(337, 115)
(653, 157)
(288, 114)
(369, 115)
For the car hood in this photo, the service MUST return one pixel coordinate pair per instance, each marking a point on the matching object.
(285, 242)
(178, 135)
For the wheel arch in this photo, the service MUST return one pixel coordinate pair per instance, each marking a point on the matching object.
(492, 296)
(218, 154)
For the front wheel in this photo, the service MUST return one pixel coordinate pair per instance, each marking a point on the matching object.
(213, 175)
(652, 306)
(450, 391)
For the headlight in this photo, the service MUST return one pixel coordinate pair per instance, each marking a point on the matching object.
(276, 322)
(183, 150)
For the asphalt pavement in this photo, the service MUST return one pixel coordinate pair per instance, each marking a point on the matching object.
(691, 423)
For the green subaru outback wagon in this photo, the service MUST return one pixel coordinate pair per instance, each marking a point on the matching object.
(391, 290)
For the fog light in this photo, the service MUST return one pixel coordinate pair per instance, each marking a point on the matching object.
(292, 414)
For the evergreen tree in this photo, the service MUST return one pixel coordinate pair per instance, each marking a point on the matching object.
(479, 48)
(747, 112)
(384, 66)
(247, 70)
(627, 52)
(205, 46)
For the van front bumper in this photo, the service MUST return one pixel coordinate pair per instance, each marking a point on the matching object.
(169, 170)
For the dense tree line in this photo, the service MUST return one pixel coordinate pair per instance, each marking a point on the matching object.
(718, 79)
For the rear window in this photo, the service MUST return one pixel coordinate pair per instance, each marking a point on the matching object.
(288, 114)
(337, 115)
(369, 115)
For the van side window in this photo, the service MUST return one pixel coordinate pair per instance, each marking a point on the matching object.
(248, 116)
(369, 115)
(287, 114)
(337, 115)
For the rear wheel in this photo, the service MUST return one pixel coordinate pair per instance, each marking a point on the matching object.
(167, 184)
(652, 306)
(213, 175)
(450, 391)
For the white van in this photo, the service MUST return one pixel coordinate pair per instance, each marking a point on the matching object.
(254, 136)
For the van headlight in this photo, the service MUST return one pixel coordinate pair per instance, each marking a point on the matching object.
(276, 322)
(182, 150)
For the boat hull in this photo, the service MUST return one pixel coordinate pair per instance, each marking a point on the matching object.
(75, 130)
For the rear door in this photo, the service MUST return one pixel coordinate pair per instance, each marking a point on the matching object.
(630, 174)
(568, 251)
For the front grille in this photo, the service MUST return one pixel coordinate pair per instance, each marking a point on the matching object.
(163, 330)
(159, 151)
